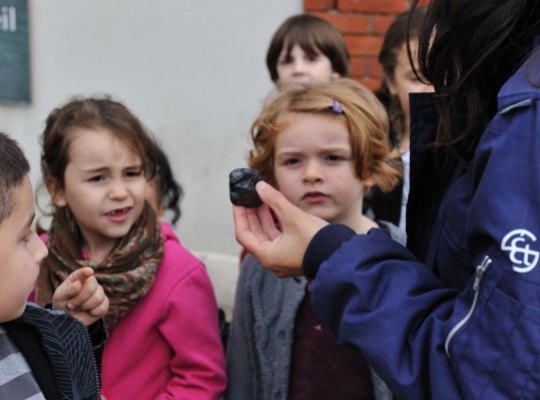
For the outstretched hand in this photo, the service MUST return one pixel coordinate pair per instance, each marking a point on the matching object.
(280, 250)
(81, 296)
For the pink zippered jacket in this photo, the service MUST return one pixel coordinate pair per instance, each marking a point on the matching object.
(168, 346)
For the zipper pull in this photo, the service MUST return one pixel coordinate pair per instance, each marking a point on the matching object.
(480, 270)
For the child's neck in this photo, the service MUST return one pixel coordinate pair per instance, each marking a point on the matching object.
(97, 252)
(405, 140)
(362, 225)
(358, 222)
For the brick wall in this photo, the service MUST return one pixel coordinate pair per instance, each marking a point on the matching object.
(363, 24)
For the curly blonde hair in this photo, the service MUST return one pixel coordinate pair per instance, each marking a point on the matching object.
(362, 113)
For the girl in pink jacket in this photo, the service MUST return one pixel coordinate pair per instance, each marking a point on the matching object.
(164, 340)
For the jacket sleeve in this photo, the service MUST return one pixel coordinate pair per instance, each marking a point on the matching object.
(241, 346)
(374, 295)
(430, 342)
(190, 325)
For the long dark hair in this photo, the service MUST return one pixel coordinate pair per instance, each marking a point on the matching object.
(468, 49)
(169, 191)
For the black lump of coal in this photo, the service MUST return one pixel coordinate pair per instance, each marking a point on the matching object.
(242, 191)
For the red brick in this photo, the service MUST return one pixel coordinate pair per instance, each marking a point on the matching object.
(346, 23)
(375, 68)
(380, 6)
(319, 5)
(363, 45)
(371, 84)
(381, 23)
(358, 66)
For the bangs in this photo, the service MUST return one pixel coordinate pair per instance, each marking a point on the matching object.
(308, 43)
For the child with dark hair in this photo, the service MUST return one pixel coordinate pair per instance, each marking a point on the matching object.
(399, 80)
(306, 49)
(44, 354)
(163, 321)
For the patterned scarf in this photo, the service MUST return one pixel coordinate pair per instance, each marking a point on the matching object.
(126, 274)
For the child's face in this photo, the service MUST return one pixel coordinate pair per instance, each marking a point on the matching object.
(405, 81)
(314, 169)
(104, 186)
(303, 69)
(21, 251)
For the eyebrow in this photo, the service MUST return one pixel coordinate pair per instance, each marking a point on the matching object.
(323, 149)
(95, 170)
(103, 169)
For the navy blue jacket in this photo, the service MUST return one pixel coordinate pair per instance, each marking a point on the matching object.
(457, 314)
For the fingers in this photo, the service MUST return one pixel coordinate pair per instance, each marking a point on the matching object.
(80, 275)
(90, 296)
(72, 285)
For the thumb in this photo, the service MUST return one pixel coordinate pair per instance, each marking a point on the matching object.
(273, 198)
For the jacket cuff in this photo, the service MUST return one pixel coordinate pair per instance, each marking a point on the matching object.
(323, 245)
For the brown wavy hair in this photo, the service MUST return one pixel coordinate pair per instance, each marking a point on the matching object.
(102, 112)
(363, 114)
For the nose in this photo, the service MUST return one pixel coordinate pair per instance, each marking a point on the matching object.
(312, 172)
(118, 190)
(299, 67)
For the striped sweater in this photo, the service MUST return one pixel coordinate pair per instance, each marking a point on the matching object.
(16, 379)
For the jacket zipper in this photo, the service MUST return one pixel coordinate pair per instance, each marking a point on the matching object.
(480, 271)
(94, 363)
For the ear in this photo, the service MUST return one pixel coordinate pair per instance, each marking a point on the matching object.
(335, 75)
(391, 83)
(57, 193)
(368, 182)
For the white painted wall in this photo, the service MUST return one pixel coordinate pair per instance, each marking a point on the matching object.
(193, 71)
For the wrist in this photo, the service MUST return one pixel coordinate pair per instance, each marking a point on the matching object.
(323, 245)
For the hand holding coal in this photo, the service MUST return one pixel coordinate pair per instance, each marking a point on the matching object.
(242, 183)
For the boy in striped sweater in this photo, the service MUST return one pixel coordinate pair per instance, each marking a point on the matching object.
(44, 354)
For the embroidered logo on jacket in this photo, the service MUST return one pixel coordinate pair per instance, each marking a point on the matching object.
(518, 244)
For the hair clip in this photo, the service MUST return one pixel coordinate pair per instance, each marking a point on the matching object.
(337, 106)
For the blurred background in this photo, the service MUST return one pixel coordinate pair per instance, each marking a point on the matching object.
(194, 73)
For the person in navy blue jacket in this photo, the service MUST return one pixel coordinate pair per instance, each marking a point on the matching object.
(456, 315)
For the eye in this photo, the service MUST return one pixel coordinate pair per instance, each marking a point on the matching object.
(28, 236)
(313, 58)
(134, 173)
(97, 178)
(334, 158)
(285, 60)
(291, 161)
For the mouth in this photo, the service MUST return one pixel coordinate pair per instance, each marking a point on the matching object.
(118, 215)
(314, 197)
(119, 211)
